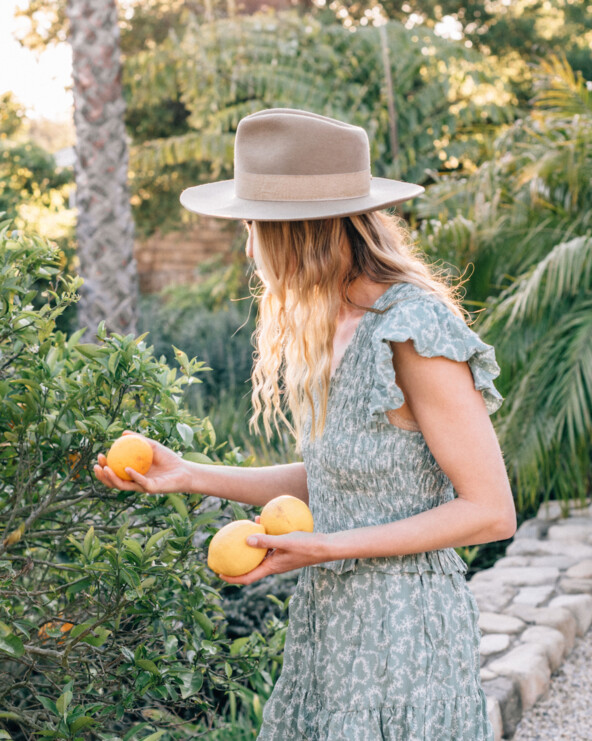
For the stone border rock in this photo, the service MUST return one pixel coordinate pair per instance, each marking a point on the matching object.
(533, 603)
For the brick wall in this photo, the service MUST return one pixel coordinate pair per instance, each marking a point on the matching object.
(175, 257)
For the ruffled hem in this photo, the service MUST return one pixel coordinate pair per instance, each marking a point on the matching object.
(459, 718)
(435, 331)
(462, 718)
(444, 561)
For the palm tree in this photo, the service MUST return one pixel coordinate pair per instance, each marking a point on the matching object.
(105, 228)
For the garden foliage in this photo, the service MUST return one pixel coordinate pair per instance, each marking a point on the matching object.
(110, 623)
(524, 221)
(444, 97)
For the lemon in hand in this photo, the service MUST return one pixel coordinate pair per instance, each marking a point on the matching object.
(284, 514)
(129, 451)
(229, 553)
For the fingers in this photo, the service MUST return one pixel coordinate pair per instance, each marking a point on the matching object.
(267, 541)
(140, 480)
(108, 477)
(258, 573)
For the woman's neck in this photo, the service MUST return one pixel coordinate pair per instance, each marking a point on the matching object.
(363, 292)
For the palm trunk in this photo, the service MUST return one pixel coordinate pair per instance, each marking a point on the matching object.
(105, 229)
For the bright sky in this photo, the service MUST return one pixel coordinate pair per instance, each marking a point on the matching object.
(39, 84)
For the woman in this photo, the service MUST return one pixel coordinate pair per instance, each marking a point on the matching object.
(389, 393)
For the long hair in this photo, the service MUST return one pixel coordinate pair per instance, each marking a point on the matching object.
(307, 268)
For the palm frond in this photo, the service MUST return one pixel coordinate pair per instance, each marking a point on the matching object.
(565, 272)
(564, 92)
(158, 154)
(549, 410)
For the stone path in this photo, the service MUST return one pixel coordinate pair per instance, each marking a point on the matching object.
(564, 713)
(534, 603)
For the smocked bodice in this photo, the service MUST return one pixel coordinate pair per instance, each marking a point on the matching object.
(363, 470)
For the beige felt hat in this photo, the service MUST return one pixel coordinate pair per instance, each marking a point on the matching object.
(292, 165)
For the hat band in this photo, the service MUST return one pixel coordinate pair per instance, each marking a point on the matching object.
(333, 187)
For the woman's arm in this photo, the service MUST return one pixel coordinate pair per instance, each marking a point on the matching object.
(170, 473)
(248, 485)
(454, 421)
(452, 416)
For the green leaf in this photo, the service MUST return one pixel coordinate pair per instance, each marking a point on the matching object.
(63, 702)
(238, 511)
(75, 543)
(78, 629)
(102, 634)
(204, 622)
(84, 721)
(130, 577)
(90, 351)
(113, 363)
(186, 433)
(176, 501)
(135, 729)
(237, 645)
(80, 586)
(153, 539)
(75, 337)
(88, 540)
(195, 457)
(133, 546)
(154, 736)
(148, 666)
(205, 518)
(12, 645)
(48, 704)
(192, 683)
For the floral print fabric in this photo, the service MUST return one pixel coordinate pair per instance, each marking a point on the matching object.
(383, 648)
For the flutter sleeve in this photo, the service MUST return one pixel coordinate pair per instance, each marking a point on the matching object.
(435, 331)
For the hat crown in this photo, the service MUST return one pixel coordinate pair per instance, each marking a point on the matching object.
(286, 141)
(283, 154)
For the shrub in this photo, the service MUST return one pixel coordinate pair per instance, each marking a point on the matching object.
(110, 624)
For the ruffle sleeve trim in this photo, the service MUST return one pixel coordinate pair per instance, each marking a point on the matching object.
(435, 331)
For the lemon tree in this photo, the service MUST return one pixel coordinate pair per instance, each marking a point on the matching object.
(110, 621)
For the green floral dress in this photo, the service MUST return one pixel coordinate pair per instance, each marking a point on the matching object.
(383, 648)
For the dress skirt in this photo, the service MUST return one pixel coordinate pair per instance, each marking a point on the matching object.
(372, 655)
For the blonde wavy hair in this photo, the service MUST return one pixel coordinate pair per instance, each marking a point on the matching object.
(307, 268)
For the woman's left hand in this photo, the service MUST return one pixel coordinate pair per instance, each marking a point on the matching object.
(286, 553)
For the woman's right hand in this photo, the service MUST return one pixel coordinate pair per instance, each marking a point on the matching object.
(167, 473)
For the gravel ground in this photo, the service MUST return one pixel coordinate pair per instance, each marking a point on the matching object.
(565, 712)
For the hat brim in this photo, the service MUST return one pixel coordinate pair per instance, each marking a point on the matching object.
(219, 200)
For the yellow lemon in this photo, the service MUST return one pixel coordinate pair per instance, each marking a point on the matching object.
(284, 514)
(129, 451)
(229, 553)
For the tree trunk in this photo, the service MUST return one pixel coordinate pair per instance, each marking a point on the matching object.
(105, 229)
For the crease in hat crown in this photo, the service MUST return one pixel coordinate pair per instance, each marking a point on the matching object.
(284, 154)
